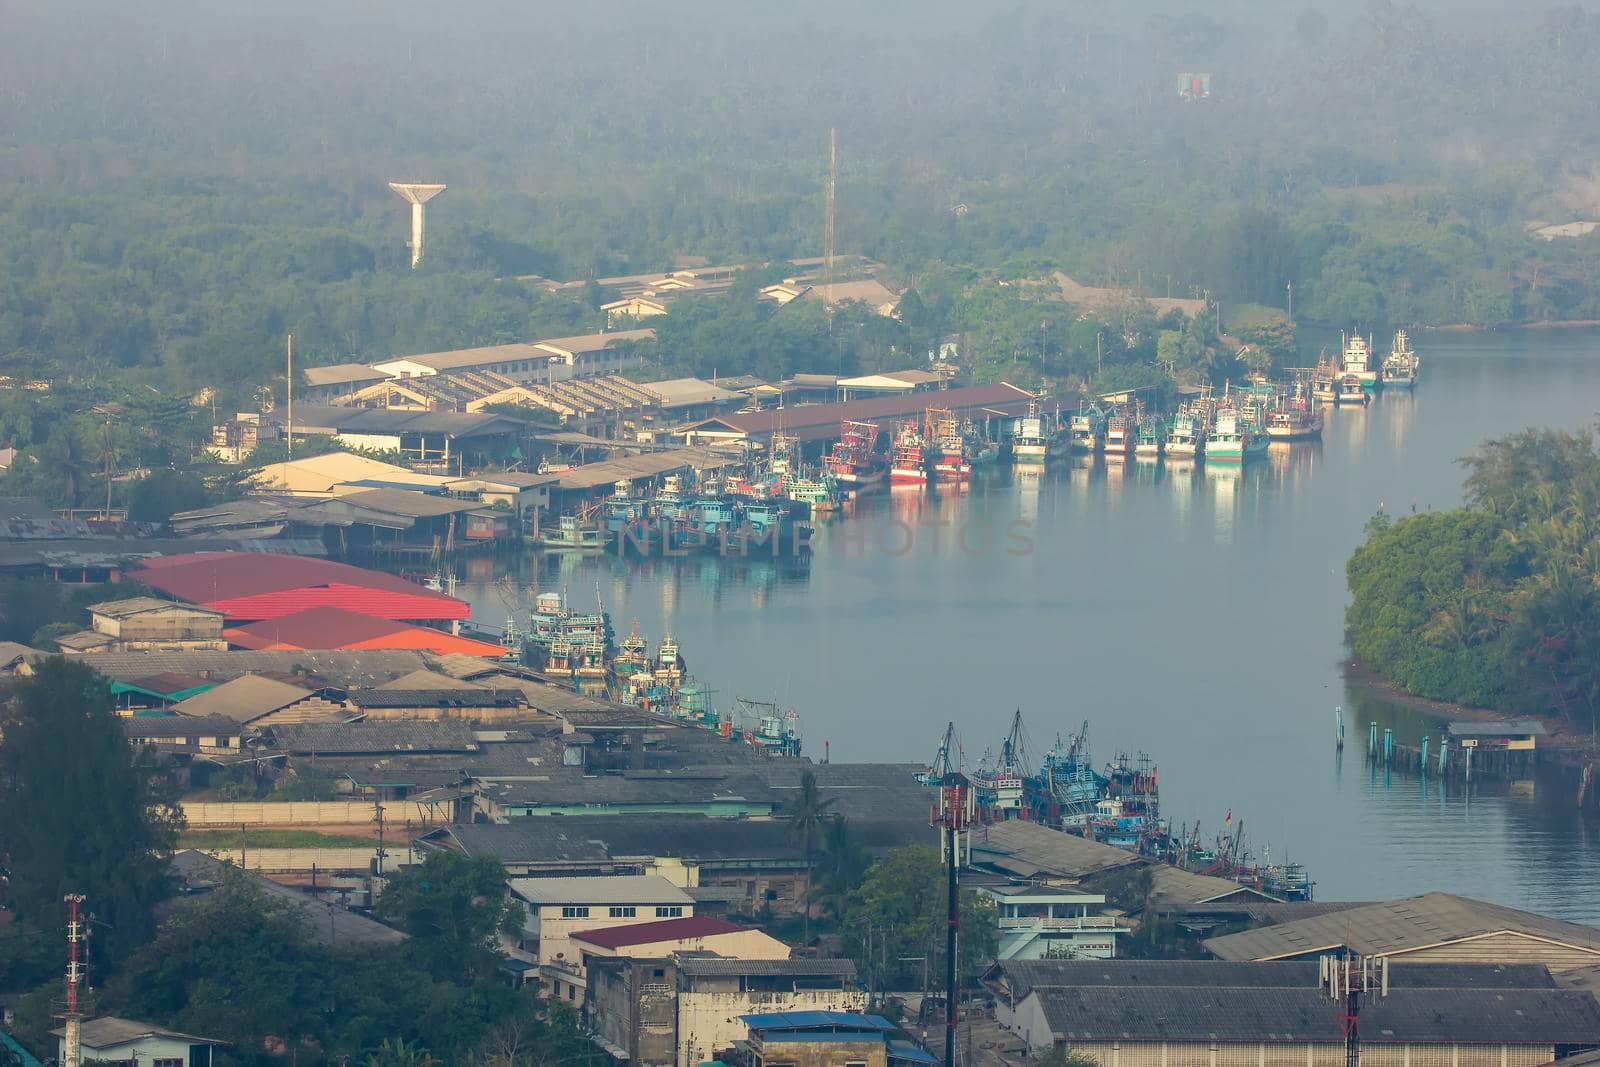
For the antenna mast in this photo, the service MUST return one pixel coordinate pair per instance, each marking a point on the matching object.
(1346, 980)
(827, 237)
(72, 1055)
(288, 389)
(953, 816)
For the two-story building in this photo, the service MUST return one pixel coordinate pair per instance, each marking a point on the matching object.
(1038, 922)
(561, 907)
(148, 624)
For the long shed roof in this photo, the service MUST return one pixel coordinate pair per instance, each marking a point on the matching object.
(823, 420)
(1028, 849)
(1397, 926)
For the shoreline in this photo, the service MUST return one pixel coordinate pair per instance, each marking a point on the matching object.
(1571, 745)
(1540, 324)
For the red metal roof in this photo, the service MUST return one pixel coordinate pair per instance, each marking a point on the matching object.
(664, 930)
(324, 628)
(810, 420)
(260, 585)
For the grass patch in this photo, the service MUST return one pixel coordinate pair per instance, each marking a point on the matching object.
(271, 839)
(1243, 316)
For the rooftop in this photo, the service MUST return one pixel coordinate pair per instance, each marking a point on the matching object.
(340, 669)
(620, 889)
(326, 923)
(718, 967)
(812, 420)
(665, 930)
(138, 605)
(646, 465)
(138, 726)
(469, 357)
(409, 503)
(1281, 1015)
(437, 698)
(1508, 728)
(108, 1031)
(373, 737)
(328, 627)
(219, 578)
(314, 474)
(592, 342)
(341, 374)
(587, 837)
(243, 699)
(687, 392)
(1399, 926)
(394, 421)
(1027, 849)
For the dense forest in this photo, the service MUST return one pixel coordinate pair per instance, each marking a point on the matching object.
(1496, 604)
(186, 185)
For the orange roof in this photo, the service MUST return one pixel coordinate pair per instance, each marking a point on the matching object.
(328, 628)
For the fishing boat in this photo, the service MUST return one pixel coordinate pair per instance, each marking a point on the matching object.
(854, 460)
(1187, 436)
(1087, 430)
(770, 729)
(1035, 439)
(669, 663)
(668, 502)
(622, 509)
(1121, 433)
(1152, 438)
(908, 461)
(1330, 385)
(1286, 881)
(1293, 420)
(820, 493)
(707, 519)
(1234, 438)
(770, 525)
(1357, 361)
(950, 449)
(1400, 365)
(573, 533)
(632, 658)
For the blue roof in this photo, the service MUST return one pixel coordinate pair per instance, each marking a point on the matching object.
(22, 1055)
(906, 1052)
(818, 1020)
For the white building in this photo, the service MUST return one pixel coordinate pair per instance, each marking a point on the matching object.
(561, 907)
(1042, 922)
(125, 1042)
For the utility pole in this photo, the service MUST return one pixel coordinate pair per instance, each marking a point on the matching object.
(1290, 288)
(827, 237)
(288, 392)
(953, 817)
(377, 806)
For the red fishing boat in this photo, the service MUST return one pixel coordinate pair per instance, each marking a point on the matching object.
(854, 461)
(908, 460)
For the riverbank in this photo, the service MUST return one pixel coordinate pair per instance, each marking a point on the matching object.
(1543, 324)
(1571, 744)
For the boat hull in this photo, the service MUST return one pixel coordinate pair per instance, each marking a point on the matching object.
(908, 476)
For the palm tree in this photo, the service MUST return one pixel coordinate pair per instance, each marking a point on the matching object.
(811, 811)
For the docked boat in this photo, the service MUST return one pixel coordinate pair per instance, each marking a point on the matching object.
(854, 461)
(1357, 362)
(1234, 438)
(1087, 430)
(632, 658)
(1400, 365)
(908, 460)
(669, 663)
(1187, 437)
(706, 519)
(1122, 433)
(1293, 420)
(820, 493)
(622, 509)
(1036, 438)
(668, 502)
(770, 525)
(948, 445)
(573, 533)
(1152, 438)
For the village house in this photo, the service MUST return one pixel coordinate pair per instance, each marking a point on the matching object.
(828, 1039)
(110, 1040)
(147, 624)
(256, 700)
(558, 908)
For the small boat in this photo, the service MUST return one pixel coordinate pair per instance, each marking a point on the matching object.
(1087, 428)
(854, 460)
(572, 533)
(1357, 361)
(908, 462)
(1152, 438)
(1187, 437)
(1121, 433)
(1400, 365)
(1234, 438)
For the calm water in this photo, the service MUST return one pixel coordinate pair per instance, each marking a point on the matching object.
(1192, 614)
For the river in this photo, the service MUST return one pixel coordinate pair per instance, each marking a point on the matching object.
(1196, 615)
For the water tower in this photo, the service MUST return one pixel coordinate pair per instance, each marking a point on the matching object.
(416, 194)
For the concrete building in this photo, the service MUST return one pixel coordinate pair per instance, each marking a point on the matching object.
(212, 735)
(147, 624)
(1040, 922)
(1127, 1013)
(714, 993)
(646, 305)
(1433, 928)
(828, 1039)
(111, 1040)
(558, 908)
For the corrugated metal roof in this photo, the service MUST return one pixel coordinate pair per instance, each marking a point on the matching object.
(341, 374)
(324, 923)
(373, 737)
(1510, 728)
(139, 605)
(437, 698)
(249, 586)
(244, 699)
(137, 726)
(1398, 925)
(687, 392)
(1023, 976)
(714, 967)
(109, 1031)
(341, 669)
(1060, 853)
(411, 504)
(332, 628)
(817, 1020)
(318, 474)
(693, 926)
(620, 889)
(1279, 1015)
(810, 419)
(647, 465)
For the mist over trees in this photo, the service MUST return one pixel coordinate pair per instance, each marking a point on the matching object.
(186, 183)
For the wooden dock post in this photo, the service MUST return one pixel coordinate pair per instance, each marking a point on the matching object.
(1422, 758)
(1372, 739)
(1388, 745)
(1338, 718)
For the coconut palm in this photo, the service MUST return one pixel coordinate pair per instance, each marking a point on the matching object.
(810, 811)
